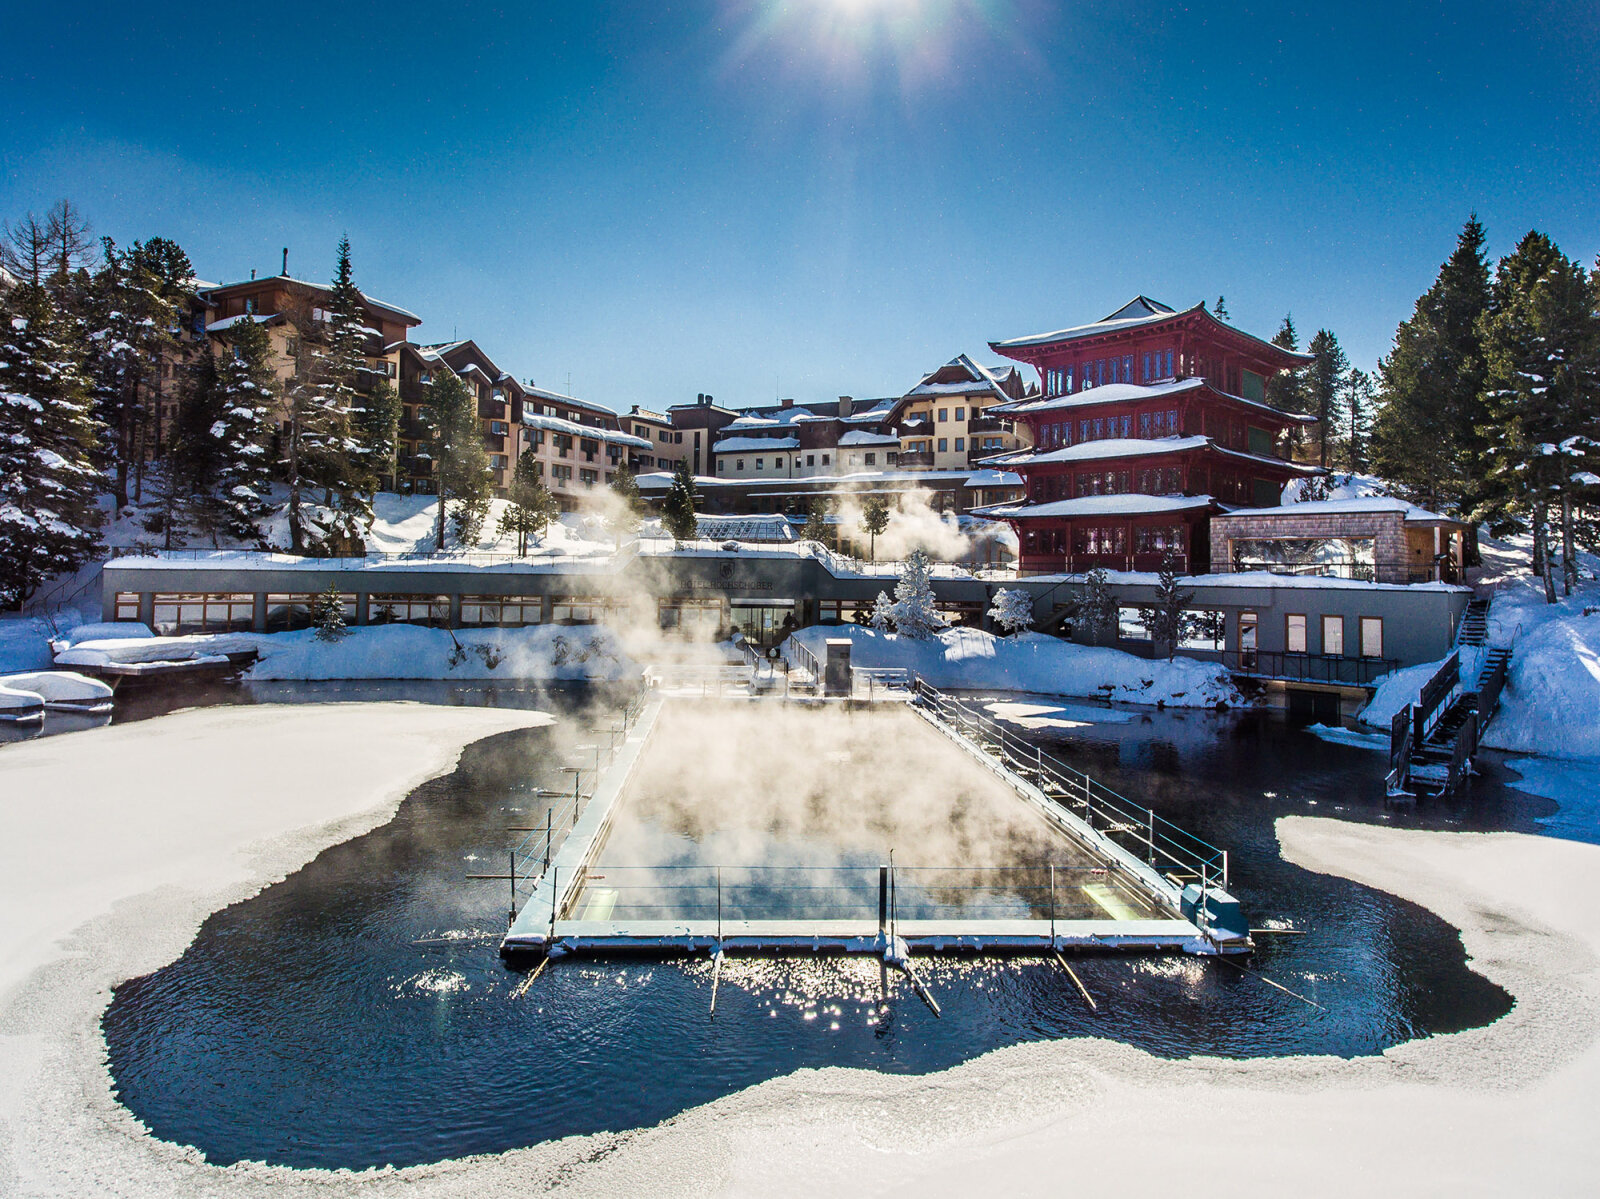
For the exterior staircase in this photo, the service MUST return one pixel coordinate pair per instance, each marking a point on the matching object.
(1474, 626)
(1432, 742)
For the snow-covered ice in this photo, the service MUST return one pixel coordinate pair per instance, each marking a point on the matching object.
(1033, 662)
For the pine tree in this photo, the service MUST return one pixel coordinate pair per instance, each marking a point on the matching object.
(629, 506)
(223, 447)
(134, 307)
(874, 520)
(1324, 382)
(882, 617)
(1427, 431)
(1285, 390)
(1355, 403)
(1165, 619)
(455, 447)
(328, 615)
(679, 505)
(529, 506)
(816, 526)
(1542, 392)
(1097, 610)
(49, 519)
(1221, 309)
(1012, 610)
(915, 611)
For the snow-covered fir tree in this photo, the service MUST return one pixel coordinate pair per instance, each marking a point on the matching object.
(328, 615)
(679, 505)
(224, 445)
(49, 520)
(529, 507)
(915, 614)
(882, 613)
(1166, 619)
(1542, 381)
(1012, 610)
(460, 464)
(1097, 610)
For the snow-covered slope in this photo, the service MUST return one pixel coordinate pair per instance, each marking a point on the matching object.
(1034, 663)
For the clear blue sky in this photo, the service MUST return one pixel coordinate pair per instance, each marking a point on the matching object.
(814, 197)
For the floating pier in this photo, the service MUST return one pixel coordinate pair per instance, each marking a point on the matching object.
(1133, 883)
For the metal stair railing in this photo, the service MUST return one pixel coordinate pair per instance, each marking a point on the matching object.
(1164, 846)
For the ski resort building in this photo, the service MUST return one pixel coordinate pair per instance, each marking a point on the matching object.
(947, 421)
(1151, 421)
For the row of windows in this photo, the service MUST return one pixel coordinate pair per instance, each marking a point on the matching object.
(1151, 365)
(1107, 539)
(220, 612)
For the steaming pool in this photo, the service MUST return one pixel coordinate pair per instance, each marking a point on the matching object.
(357, 1013)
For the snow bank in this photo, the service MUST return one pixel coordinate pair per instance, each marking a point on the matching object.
(25, 640)
(1034, 663)
(1552, 694)
(19, 705)
(62, 689)
(103, 630)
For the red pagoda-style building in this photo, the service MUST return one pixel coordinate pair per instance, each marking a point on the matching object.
(1150, 421)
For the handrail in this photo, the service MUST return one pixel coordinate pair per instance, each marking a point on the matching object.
(1435, 697)
(1306, 667)
(1163, 844)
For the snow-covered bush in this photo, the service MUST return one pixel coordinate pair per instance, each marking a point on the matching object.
(915, 615)
(1012, 610)
(882, 613)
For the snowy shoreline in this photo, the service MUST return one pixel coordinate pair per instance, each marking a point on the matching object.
(1003, 1121)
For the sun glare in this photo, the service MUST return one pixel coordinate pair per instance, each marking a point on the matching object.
(915, 43)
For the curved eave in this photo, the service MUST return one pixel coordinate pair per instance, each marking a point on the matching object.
(1112, 507)
(1031, 350)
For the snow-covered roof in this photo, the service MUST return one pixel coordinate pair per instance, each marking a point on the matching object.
(556, 424)
(1141, 310)
(744, 445)
(1111, 393)
(880, 410)
(1110, 447)
(862, 437)
(376, 303)
(972, 478)
(1129, 504)
(229, 322)
(1364, 504)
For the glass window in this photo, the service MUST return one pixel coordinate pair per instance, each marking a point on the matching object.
(205, 612)
(944, 414)
(961, 444)
(287, 611)
(872, 459)
(944, 444)
(961, 414)
(1294, 636)
(505, 611)
(1372, 636)
(1204, 628)
(127, 605)
(1129, 625)
(432, 610)
(1333, 635)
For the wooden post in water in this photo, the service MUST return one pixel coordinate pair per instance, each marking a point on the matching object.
(511, 914)
(549, 824)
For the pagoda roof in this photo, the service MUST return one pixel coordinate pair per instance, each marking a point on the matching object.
(1138, 313)
(1112, 448)
(1126, 504)
(1113, 393)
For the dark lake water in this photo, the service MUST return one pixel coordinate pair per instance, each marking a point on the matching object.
(357, 1013)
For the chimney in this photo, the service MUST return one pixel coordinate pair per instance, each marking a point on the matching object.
(786, 403)
(285, 271)
(252, 274)
(846, 404)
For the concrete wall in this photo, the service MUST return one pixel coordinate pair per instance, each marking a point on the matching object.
(1419, 622)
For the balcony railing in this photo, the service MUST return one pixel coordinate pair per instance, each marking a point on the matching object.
(916, 458)
(1308, 668)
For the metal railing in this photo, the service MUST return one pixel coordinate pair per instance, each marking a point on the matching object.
(848, 892)
(1400, 746)
(1437, 694)
(1307, 668)
(1164, 846)
(529, 859)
